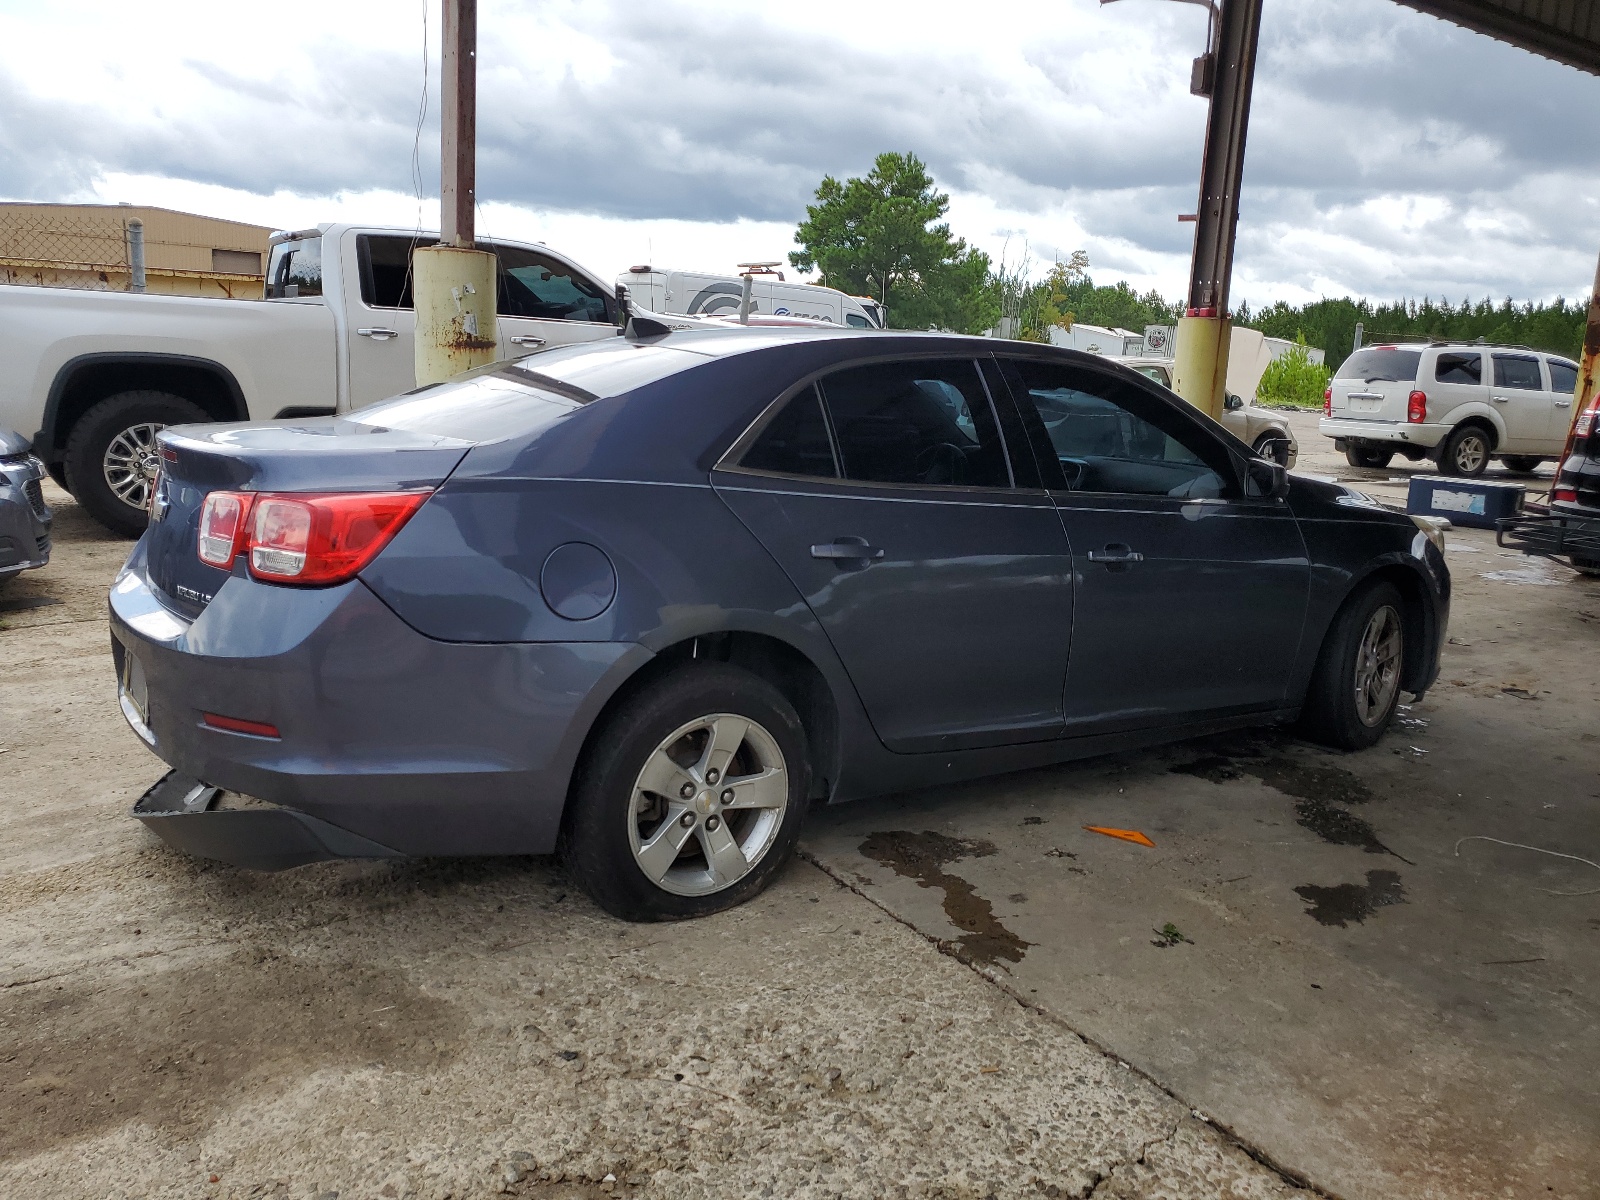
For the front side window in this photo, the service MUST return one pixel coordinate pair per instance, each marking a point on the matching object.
(1518, 372)
(535, 285)
(916, 423)
(1454, 367)
(796, 442)
(1563, 377)
(1110, 437)
(857, 321)
(295, 269)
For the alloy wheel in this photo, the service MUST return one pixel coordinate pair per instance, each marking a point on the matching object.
(130, 464)
(1377, 673)
(708, 804)
(1471, 451)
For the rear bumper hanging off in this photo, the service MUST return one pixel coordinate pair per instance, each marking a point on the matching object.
(183, 812)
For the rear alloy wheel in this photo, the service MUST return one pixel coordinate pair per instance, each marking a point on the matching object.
(112, 455)
(1273, 447)
(1356, 684)
(1371, 457)
(691, 797)
(1466, 451)
(1522, 464)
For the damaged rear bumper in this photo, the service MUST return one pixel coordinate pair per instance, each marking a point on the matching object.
(184, 813)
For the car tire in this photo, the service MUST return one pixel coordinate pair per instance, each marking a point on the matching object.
(1369, 457)
(1355, 686)
(108, 453)
(1586, 566)
(1273, 447)
(1522, 464)
(643, 854)
(1465, 453)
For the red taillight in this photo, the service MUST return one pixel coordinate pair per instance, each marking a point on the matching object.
(1585, 424)
(222, 527)
(239, 725)
(1327, 401)
(311, 540)
(1564, 495)
(1417, 408)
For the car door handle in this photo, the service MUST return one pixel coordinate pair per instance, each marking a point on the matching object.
(524, 339)
(1501, 399)
(1563, 403)
(1116, 553)
(847, 549)
(377, 333)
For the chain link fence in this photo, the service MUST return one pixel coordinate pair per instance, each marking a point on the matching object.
(65, 249)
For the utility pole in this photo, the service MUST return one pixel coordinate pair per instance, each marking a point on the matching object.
(1226, 75)
(454, 282)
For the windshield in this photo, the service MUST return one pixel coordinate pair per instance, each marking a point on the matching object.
(295, 269)
(514, 399)
(1382, 363)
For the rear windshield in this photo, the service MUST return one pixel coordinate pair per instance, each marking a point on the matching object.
(1382, 363)
(514, 399)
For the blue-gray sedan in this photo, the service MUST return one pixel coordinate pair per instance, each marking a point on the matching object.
(644, 601)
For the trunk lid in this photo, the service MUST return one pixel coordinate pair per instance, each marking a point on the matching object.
(1375, 383)
(326, 454)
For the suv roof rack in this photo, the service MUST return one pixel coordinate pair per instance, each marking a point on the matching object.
(1369, 340)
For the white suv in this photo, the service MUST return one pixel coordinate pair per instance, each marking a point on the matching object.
(1458, 403)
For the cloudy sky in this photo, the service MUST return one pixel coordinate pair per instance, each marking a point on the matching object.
(1390, 154)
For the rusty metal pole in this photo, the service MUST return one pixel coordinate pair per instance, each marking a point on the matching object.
(1588, 368)
(454, 282)
(1200, 372)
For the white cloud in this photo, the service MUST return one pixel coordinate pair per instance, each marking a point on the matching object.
(693, 132)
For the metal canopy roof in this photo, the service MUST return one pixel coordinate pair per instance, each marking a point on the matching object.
(1565, 30)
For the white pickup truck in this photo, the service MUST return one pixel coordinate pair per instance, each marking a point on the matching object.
(93, 376)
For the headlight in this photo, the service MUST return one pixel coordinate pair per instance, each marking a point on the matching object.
(1430, 530)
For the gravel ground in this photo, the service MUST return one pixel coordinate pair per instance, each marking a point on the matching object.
(454, 1028)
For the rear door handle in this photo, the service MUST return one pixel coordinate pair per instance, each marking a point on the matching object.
(847, 549)
(1563, 403)
(377, 334)
(1116, 553)
(523, 339)
(1501, 399)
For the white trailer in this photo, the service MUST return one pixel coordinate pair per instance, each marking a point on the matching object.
(699, 293)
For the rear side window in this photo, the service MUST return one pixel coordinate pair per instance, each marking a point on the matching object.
(1382, 363)
(1454, 367)
(916, 423)
(385, 265)
(295, 269)
(1518, 372)
(796, 443)
(1563, 377)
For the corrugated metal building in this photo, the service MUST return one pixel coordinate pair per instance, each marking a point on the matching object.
(86, 246)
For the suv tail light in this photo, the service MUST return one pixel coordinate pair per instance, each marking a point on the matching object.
(1327, 401)
(311, 540)
(1417, 408)
(1585, 424)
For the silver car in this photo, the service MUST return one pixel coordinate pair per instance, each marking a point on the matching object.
(24, 518)
(1267, 434)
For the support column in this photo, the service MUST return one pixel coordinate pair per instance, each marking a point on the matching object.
(454, 282)
(1201, 369)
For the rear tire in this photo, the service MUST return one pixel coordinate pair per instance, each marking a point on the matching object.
(645, 819)
(1370, 457)
(1465, 453)
(111, 455)
(1522, 464)
(1356, 684)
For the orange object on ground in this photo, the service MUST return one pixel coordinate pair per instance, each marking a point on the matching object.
(1126, 835)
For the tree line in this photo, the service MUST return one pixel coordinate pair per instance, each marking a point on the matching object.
(884, 235)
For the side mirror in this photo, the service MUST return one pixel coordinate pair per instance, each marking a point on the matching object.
(1265, 480)
(624, 305)
(1233, 403)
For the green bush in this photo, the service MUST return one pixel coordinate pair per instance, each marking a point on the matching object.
(1292, 378)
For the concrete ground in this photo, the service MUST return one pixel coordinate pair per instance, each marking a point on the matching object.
(1301, 958)
(1382, 1008)
(173, 1028)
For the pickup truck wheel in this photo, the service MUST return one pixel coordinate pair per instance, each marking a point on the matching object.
(1370, 457)
(1356, 684)
(1466, 451)
(1522, 464)
(112, 457)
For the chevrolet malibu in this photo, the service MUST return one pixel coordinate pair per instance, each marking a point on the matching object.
(644, 601)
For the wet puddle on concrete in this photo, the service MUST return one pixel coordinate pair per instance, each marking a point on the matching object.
(923, 857)
(1352, 903)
